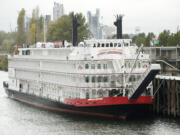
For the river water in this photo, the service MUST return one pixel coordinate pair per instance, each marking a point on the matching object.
(20, 119)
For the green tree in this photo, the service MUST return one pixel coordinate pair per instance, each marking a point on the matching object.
(36, 27)
(142, 35)
(140, 40)
(6, 47)
(21, 36)
(2, 36)
(125, 36)
(171, 41)
(163, 38)
(4, 63)
(62, 28)
(149, 39)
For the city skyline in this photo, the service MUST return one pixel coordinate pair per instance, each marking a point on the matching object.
(149, 16)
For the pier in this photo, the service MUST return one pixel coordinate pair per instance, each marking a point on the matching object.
(166, 86)
(166, 95)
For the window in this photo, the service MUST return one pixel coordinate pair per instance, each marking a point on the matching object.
(99, 44)
(87, 94)
(119, 44)
(94, 45)
(27, 52)
(115, 44)
(129, 65)
(23, 53)
(93, 79)
(102, 44)
(111, 44)
(105, 66)
(87, 79)
(99, 66)
(99, 79)
(87, 66)
(107, 44)
(105, 79)
(126, 44)
(139, 65)
(92, 66)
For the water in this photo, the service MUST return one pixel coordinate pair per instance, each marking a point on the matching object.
(20, 119)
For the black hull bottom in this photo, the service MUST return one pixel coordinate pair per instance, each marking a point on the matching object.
(112, 111)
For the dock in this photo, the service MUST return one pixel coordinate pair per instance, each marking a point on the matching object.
(166, 85)
(166, 95)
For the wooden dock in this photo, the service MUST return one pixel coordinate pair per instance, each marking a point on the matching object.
(166, 95)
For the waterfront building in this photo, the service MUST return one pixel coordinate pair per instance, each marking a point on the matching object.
(168, 57)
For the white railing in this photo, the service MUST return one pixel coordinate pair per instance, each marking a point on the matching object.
(136, 84)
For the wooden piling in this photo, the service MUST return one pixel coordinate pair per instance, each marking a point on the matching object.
(157, 106)
(177, 98)
(168, 97)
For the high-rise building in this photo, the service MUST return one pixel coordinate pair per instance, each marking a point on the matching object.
(94, 24)
(58, 11)
(27, 23)
(47, 19)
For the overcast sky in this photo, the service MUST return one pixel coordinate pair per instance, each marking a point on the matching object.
(149, 15)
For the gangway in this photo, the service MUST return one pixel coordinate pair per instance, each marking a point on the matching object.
(139, 86)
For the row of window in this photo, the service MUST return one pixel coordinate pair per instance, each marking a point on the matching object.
(26, 52)
(94, 79)
(94, 66)
(138, 65)
(110, 44)
(134, 78)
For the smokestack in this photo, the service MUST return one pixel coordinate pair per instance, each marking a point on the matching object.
(75, 25)
(118, 24)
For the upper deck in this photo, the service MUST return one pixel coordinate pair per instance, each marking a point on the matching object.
(88, 50)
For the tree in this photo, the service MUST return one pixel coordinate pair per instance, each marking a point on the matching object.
(142, 35)
(2, 36)
(149, 39)
(163, 38)
(6, 47)
(36, 27)
(4, 63)
(140, 40)
(33, 32)
(21, 36)
(125, 36)
(62, 28)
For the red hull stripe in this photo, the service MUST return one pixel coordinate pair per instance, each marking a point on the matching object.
(67, 110)
(108, 101)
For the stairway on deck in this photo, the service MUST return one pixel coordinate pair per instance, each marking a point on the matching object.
(141, 85)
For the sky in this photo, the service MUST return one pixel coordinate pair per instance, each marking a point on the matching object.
(148, 15)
